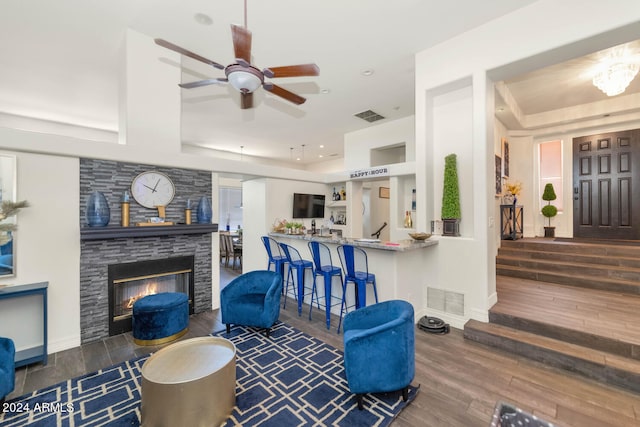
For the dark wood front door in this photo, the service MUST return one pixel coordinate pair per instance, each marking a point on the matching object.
(606, 185)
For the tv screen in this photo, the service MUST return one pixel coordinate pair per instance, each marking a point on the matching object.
(308, 205)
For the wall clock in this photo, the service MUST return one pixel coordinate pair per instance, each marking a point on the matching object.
(152, 189)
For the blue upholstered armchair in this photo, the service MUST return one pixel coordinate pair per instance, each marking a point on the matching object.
(252, 299)
(379, 348)
(7, 367)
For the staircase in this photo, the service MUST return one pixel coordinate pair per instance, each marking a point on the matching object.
(571, 305)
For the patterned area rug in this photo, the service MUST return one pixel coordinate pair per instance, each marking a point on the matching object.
(289, 379)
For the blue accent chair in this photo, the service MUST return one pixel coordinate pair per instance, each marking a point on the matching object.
(252, 299)
(356, 269)
(324, 267)
(7, 367)
(379, 349)
(276, 257)
(300, 265)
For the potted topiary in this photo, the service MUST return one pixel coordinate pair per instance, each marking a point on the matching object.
(549, 210)
(450, 213)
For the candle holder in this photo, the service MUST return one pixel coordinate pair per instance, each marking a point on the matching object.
(187, 216)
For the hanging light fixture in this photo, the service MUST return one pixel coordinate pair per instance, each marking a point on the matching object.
(618, 72)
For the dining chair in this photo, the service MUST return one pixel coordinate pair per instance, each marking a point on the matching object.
(300, 265)
(321, 255)
(356, 269)
(233, 250)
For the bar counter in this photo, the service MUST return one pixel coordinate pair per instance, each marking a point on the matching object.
(399, 266)
(399, 246)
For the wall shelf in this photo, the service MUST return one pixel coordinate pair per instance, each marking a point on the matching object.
(117, 232)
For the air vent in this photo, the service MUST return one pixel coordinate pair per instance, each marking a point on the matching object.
(445, 301)
(370, 116)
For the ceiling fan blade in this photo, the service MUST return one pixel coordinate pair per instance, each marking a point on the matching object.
(292, 71)
(241, 42)
(182, 51)
(200, 83)
(283, 93)
(246, 100)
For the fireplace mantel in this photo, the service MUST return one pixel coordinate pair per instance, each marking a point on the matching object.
(117, 232)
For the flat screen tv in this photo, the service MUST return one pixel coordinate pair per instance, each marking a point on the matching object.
(308, 205)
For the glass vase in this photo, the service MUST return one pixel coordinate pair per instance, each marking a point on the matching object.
(97, 211)
(203, 213)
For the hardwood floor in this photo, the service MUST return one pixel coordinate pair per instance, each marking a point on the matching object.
(460, 380)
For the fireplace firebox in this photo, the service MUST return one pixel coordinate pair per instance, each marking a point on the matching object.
(131, 281)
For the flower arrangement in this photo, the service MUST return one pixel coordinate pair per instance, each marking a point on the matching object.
(513, 188)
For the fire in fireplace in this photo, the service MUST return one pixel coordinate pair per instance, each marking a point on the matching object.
(129, 282)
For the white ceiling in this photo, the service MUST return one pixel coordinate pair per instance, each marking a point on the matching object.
(59, 61)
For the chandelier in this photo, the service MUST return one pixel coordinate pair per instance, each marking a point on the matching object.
(614, 79)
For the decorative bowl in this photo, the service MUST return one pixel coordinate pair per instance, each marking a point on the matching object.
(420, 236)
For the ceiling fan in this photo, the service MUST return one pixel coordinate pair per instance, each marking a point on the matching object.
(243, 76)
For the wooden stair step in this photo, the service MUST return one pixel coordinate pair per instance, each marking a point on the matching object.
(615, 261)
(601, 249)
(571, 279)
(598, 365)
(572, 267)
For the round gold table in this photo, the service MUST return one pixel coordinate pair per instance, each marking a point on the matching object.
(189, 383)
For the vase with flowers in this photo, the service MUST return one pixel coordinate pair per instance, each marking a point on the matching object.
(512, 191)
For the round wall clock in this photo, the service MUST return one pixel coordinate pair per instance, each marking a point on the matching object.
(152, 189)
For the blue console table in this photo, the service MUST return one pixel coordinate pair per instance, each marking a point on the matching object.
(39, 352)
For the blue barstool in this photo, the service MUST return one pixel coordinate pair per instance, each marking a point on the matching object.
(324, 267)
(356, 269)
(300, 265)
(276, 257)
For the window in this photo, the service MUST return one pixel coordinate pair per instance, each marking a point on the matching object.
(551, 171)
(230, 208)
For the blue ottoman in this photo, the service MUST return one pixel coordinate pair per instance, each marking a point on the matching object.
(160, 318)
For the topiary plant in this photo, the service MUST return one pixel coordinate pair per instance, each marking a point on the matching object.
(451, 191)
(549, 211)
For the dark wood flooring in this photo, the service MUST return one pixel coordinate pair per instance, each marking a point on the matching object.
(461, 381)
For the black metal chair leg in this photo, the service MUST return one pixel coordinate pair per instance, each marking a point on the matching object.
(359, 397)
(228, 328)
(268, 331)
(405, 393)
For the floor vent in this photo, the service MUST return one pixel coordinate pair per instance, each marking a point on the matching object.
(445, 301)
(370, 116)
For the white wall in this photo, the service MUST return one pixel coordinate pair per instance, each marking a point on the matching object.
(48, 244)
(358, 144)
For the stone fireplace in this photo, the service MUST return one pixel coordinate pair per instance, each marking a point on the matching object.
(128, 282)
(102, 247)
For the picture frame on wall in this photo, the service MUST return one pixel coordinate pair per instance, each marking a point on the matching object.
(498, 176)
(505, 158)
(383, 192)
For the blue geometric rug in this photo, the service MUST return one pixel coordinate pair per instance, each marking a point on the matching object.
(288, 379)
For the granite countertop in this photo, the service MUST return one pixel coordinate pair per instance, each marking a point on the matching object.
(399, 246)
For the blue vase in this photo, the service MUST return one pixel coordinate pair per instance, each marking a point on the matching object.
(97, 210)
(203, 213)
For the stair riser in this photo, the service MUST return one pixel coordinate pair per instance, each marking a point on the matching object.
(567, 335)
(601, 284)
(595, 371)
(581, 270)
(569, 257)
